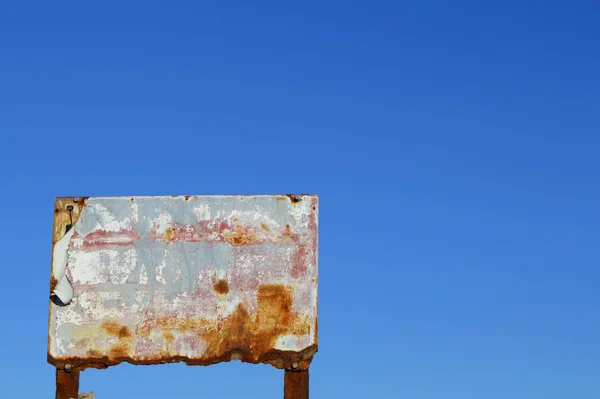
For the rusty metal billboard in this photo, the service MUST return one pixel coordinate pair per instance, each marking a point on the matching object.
(194, 279)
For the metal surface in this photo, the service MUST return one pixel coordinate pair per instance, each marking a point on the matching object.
(295, 384)
(67, 384)
(198, 279)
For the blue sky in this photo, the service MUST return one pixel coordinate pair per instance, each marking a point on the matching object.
(454, 146)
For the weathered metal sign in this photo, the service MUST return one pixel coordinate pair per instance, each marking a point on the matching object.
(198, 279)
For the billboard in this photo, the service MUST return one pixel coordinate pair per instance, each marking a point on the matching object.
(194, 279)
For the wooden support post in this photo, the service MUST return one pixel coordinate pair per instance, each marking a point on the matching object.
(295, 384)
(67, 384)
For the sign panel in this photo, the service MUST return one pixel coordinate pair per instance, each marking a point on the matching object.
(198, 279)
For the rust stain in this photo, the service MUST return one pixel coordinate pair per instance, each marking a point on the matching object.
(116, 329)
(174, 324)
(186, 198)
(169, 234)
(94, 353)
(124, 332)
(221, 287)
(287, 234)
(178, 232)
(242, 335)
(280, 198)
(277, 358)
(66, 212)
(125, 343)
(53, 282)
(294, 198)
(242, 236)
(252, 335)
(223, 231)
(168, 336)
(119, 350)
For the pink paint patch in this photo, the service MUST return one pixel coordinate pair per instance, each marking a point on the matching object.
(302, 298)
(176, 232)
(102, 239)
(299, 266)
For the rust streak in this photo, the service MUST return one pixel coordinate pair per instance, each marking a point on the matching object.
(277, 358)
(178, 233)
(250, 337)
(124, 346)
(242, 236)
(115, 329)
(168, 336)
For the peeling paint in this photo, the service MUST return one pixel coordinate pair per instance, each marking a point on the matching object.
(63, 289)
(199, 279)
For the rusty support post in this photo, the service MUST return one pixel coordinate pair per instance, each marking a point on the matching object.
(67, 384)
(295, 385)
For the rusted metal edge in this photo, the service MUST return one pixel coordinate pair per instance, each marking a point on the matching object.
(288, 360)
(289, 195)
(66, 214)
(67, 211)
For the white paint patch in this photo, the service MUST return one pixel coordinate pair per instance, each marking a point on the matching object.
(135, 213)
(159, 273)
(251, 218)
(141, 296)
(63, 289)
(313, 299)
(93, 302)
(159, 270)
(106, 220)
(103, 266)
(221, 273)
(202, 212)
(143, 275)
(163, 222)
(301, 212)
(177, 272)
(292, 342)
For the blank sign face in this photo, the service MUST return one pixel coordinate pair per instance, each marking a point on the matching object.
(198, 279)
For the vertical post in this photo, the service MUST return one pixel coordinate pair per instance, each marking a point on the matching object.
(295, 384)
(67, 384)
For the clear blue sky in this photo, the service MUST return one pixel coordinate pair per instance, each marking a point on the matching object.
(454, 145)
